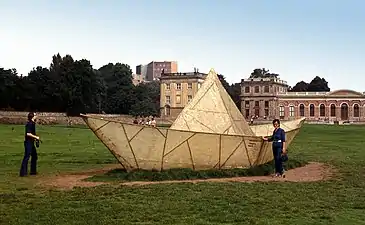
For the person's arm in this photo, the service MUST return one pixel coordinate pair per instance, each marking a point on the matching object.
(283, 139)
(29, 132)
(268, 138)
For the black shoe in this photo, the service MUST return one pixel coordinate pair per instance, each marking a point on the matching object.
(33, 174)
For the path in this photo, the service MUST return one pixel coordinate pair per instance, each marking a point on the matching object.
(311, 172)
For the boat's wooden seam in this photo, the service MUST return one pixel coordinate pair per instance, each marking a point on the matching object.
(220, 151)
(207, 89)
(232, 153)
(135, 134)
(191, 155)
(130, 146)
(97, 129)
(179, 144)
(248, 156)
(163, 150)
(260, 152)
(159, 131)
(199, 123)
(186, 123)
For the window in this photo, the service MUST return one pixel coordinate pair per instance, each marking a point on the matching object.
(247, 104)
(257, 112)
(291, 111)
(247, 89)
(266, 104)
(257, 89)
(247, 113)
(281, 111)
(178, 99)
(356, 110)
(333, 110)
(301, 110)
(257, 104)
(167, 86)
(190, 85)
(311, 110)
(266, 112)
(178, 86)
(168, 100)
(167, 111)
(190, 97)
(322, 110)
(267, 89)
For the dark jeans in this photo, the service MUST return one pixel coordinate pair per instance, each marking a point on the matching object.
(29, 151)
(278, 162)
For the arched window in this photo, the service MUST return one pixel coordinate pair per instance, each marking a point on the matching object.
(301, 110)
(322, 110)
(311, 110)
(356, 110)
(333, 110)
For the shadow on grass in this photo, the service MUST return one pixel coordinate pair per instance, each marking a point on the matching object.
(189, 174)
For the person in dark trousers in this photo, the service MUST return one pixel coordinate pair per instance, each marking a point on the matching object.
(278, 147)
(29, 147)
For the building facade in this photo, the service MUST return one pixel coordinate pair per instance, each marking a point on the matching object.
(268, 98)
(177, 90)
(142, 70)
(154, 69)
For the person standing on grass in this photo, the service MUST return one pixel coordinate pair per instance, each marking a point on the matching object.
(29, 147)
(278, 147)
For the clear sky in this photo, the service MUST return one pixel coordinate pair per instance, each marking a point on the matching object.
(295, 38)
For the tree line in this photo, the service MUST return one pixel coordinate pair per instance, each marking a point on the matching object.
(74, 87)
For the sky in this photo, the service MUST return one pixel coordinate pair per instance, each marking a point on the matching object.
(294, 38)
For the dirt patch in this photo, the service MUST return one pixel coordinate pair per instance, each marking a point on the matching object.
(71, 180)
(309, 173)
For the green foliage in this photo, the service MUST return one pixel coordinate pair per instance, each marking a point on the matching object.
(316, 85)
(263, 73)
(75, 87)
(184, 174)
(147, 99)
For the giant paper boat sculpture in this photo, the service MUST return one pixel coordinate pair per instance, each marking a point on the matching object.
(210, 132)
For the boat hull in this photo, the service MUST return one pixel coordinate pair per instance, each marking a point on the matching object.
(143, 147)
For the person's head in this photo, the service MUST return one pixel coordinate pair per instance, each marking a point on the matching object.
(276, 123)
(31, 116)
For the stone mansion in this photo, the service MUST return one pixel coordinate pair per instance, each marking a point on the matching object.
(268, 98)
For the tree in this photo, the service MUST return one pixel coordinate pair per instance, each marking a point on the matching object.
(300, 87)
(316, 85)
(119, 94)
(147, 99)
(263, 73)
(235, 93)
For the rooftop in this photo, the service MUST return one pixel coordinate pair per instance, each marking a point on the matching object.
(273, 79)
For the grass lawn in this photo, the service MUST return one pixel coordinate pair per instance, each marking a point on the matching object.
(338, 201)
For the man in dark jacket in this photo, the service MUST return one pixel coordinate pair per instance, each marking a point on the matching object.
(29, 147)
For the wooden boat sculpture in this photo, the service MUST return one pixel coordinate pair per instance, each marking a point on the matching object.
(209, 133)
